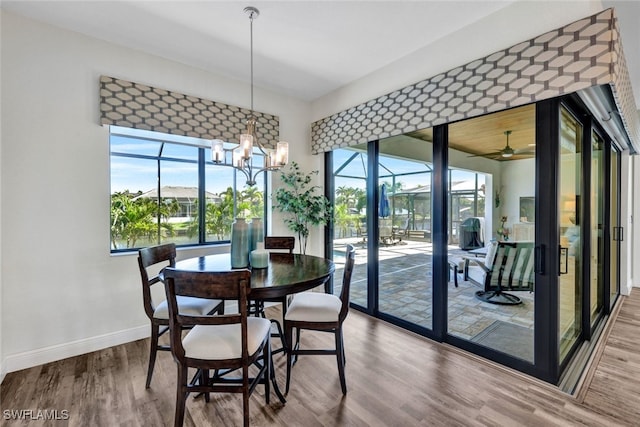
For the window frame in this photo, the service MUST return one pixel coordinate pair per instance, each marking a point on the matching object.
(203, 166)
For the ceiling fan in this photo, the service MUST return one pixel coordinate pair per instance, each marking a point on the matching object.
(506, 152)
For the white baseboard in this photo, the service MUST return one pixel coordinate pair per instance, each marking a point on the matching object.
(29, 359)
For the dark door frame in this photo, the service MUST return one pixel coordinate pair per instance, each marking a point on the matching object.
(546, 364)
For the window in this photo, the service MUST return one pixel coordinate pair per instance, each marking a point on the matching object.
(164, 188)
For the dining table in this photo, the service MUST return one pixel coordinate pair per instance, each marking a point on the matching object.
(286, 274)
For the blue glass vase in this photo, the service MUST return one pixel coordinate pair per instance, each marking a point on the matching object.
(240, 236)
(259, 257)
(257, 233)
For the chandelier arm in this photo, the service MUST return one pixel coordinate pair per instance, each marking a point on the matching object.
(246, 174)
(259, 171)
(257, 141)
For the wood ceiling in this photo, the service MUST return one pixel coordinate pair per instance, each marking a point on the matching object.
(484, 135)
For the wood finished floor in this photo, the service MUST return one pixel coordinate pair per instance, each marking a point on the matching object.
(394, 378)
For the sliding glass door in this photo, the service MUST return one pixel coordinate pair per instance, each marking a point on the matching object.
(615, 229)
(597, 228)
(570, 233)
(350, 218)
(405, 249)
(498, 234)
(491, 227)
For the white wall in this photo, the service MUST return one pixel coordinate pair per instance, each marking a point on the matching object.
(518, 180)
(510, 25)
(62, 292)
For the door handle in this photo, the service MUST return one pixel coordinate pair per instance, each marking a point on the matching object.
(539, 259)
(564, 252)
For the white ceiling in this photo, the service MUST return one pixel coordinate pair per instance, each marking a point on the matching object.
(305, 49)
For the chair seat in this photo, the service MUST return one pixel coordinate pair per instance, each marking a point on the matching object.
(219, 342)
(187, 305)
(314, 307)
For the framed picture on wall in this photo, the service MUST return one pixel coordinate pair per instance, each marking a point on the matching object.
(527, 209)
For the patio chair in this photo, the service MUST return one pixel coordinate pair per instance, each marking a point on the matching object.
(385, 231)
(508, 266)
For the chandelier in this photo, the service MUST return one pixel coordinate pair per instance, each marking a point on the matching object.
(242, 154)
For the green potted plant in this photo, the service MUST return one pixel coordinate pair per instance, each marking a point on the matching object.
(301, 204)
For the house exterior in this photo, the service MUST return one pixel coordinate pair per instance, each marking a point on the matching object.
(186, 197)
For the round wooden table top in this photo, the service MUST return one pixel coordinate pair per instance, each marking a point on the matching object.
(286, 273)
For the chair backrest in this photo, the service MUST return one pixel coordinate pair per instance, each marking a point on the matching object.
(234, 284)
(278, 242)
(385, 228)
(165, 255)
(492, 248)
(350, 260)
(512, 267)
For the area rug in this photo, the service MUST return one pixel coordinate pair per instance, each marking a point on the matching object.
(509, 338)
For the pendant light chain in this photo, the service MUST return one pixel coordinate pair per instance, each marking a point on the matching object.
(251, 53)
(241, 155)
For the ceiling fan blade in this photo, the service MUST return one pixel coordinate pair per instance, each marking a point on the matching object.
(495, 153)
(525, 151)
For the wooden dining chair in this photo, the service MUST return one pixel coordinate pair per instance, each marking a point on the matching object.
(229, 342)
(285, 243)
(320, 312)
(280, 242)
(151, 261)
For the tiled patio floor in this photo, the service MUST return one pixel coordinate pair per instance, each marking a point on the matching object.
(405, 290)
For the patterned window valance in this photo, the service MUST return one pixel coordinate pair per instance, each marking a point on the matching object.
(134, 105)
(578, 56)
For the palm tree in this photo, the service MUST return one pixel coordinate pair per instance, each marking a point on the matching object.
(347, 196)
(131, 219)
(219, 216)
(342, 219)
(251, 194)
(250, 202)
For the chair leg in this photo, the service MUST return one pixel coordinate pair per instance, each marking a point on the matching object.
(268, 362)
(245, 396)
(181, 395)
(260, 306)
(204, 381)
(280, 334)
(297, 346)
(288, 331)
(340, 359)
(153, 350)
(256, 308)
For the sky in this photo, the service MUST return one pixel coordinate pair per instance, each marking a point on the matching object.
(419, 176)
(135, 174)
